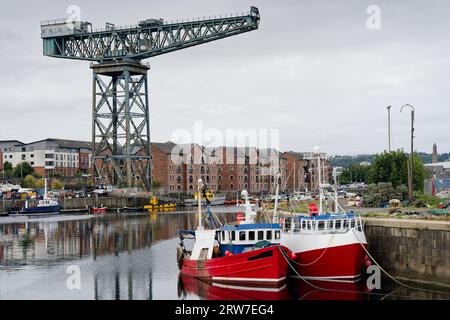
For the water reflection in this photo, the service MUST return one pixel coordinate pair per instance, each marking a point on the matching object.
(47, 242)
(128, 256)
(219, 291)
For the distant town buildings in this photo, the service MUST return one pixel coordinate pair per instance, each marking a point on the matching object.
(439, 180)
(176, 168)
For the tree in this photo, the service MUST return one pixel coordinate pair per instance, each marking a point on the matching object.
(29, 182)
(22, 170)
(355, 173)
(7, 166)
(57, 185)
(392, 167)
(40, 184)
(156, 184)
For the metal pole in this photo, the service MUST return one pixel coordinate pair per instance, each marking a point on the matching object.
(389, 128)
(277, 192)
(336, 208)
(199, 199)
(411, 156)
(294, 176)
(320, 182)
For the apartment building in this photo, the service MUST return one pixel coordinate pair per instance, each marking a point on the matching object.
(7, 146)
(50, 156)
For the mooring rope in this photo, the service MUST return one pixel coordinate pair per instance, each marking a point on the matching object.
(323, 253)
(394, 279)
(332, 290)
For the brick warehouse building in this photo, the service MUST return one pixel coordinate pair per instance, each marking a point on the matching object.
(225, 169)
(301, 171)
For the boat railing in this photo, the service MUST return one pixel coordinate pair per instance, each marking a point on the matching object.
(341, 225)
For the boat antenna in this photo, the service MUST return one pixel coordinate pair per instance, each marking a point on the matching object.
(199, 198)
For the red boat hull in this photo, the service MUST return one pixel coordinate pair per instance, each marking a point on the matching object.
(262, 267)
(340, 262)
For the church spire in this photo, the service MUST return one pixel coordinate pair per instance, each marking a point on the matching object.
(434, 156)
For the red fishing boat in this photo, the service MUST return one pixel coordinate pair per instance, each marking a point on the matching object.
(248, 253)
(328, 246)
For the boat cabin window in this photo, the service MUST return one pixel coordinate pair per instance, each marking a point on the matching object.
(242, 236)
(277, 234)
(337, 224)
(251, 235)
(287, 224)
(261, 235)
(359, 225)
(203, 254)
(321, 225)
(269, 235)
(345, 224)
(303, 224)
(330, 224)
(223, 235)
(297, 226)
(233, 235)
(309, 225)
(352, 225)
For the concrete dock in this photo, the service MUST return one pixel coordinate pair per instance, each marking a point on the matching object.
(411, 249)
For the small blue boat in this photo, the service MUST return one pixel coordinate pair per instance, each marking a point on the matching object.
(31, 206)
(24, 203)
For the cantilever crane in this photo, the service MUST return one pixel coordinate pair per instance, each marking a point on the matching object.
(121, 149)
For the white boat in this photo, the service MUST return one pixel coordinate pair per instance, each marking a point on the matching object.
(8, 187)
(103, 189)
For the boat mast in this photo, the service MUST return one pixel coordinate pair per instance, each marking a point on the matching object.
(45, 188)
(277, 191)
(199, 198)
(336, 205)
(319, 167)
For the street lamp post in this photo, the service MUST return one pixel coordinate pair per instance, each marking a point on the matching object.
(410, 167)
(389, 127)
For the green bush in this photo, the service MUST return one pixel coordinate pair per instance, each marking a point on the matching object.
(423, 200)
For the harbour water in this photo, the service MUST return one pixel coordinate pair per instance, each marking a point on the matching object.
(132, 256)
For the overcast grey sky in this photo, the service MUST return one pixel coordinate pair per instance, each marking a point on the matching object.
(313, 70)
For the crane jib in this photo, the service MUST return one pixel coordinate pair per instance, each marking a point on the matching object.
(151, 37)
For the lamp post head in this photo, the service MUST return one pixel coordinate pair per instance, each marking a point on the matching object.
(407, 105)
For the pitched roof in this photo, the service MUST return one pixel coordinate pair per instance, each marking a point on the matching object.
(10, 141)
(64, 143)
(167, 147)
